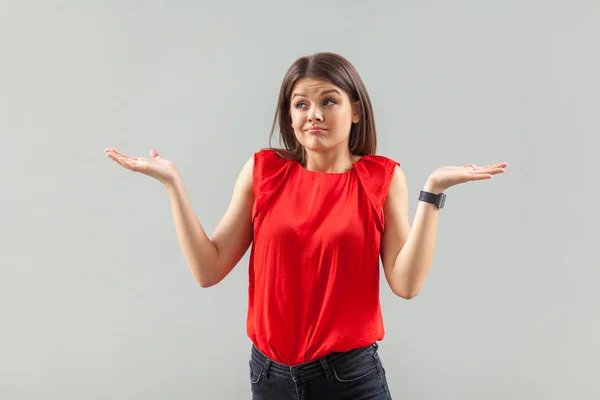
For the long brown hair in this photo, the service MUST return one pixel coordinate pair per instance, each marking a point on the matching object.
(338, 71)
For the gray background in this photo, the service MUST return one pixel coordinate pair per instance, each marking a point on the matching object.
(96, 301)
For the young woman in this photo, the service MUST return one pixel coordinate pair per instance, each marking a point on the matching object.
(319, 214)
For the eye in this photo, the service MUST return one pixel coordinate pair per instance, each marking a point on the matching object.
(329, 101)
(300, 104)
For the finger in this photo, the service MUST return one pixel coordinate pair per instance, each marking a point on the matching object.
(131, 165)
(123, 155)
(124, 162)
(497, 165)
(110, 151)
(116, 159)
(154, 153)
(113, 157)
(495, 171)
(120, 160)
(487, 170)
(479, 177)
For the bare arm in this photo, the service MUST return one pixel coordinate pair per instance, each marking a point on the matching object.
(211, 260)
(407, 253)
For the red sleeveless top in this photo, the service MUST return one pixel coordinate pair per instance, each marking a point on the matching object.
(314, 263)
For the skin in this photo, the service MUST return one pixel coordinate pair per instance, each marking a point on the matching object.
(319, 103)
(406, 253)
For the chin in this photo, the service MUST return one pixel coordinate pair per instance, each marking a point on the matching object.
(317, 147)
(322, 143)
(320, 146)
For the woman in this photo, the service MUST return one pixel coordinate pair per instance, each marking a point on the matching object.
(319, 214)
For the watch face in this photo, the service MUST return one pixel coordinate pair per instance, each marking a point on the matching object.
(442, 200)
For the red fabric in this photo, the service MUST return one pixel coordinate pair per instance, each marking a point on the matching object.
(314, 263)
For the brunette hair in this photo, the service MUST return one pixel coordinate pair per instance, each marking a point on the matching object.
(338, 71)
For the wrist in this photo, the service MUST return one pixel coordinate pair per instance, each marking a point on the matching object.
(172, 182)
(432, 187)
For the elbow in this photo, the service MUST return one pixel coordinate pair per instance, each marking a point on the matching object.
(207, 280)
(205, 283)
(204, 280)
(406, 293)
(410, 295)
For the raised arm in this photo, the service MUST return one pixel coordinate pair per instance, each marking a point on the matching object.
(407, 253)
(209, 259)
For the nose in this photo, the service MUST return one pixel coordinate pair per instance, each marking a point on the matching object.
(315, 114)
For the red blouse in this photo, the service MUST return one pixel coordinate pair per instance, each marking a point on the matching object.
(314, 262)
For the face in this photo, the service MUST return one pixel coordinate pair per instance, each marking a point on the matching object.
(322, 115)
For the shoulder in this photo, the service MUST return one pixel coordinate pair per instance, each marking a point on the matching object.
(376, 174)
(269, 161)
(397, 187)
(269, 170)
(261, 159)
(379, 168)
(379, 161)
(271, 155)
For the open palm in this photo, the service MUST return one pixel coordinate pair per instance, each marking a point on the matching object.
(155, 166)
(446, 177)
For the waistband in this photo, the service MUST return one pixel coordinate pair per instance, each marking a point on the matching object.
(311, 368)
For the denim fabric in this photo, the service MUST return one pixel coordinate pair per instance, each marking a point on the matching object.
(356, 374)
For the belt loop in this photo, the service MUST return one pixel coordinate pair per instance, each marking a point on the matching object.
(326, 368)
(266, 367)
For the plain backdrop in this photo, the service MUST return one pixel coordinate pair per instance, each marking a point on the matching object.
(96, 300)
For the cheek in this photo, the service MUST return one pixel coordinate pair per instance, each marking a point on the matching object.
(297, 125)
(296, 120)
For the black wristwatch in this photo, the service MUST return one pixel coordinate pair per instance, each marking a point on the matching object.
(437, 199)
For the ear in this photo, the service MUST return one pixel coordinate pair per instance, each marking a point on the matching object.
(356, 112)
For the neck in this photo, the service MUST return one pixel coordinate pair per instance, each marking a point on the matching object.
(335, 161)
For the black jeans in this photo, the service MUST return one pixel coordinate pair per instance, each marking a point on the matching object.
(356, 374)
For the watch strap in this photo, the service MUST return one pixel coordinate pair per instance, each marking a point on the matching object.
(438, 199)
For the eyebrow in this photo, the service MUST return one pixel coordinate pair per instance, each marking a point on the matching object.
(323, 92)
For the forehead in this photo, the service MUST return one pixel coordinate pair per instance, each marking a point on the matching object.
(312, 86)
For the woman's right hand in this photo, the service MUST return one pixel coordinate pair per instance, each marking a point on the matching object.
(163, 170)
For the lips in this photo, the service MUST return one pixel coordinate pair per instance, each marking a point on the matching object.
(316, 129)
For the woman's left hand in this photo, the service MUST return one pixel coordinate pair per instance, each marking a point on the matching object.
(445, 177)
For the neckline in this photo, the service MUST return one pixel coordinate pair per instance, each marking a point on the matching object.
(322, 173)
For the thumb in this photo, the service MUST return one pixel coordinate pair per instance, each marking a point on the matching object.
(154, 154)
